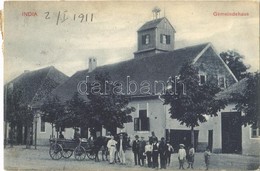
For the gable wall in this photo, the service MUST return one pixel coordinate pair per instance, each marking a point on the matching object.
(165, 28)
(210, 63)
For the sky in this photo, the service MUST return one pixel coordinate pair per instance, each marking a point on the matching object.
(34, 42)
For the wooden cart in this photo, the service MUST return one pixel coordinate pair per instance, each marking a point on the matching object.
(67, 147)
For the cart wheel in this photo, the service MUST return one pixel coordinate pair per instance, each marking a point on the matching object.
(91, 155)
(67, 153)
(79, 153)
(55, 151)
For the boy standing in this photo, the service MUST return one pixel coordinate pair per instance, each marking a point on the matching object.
(181, 156)
(148, 152)
(191, 156)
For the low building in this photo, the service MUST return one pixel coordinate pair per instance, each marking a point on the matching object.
(33, 86)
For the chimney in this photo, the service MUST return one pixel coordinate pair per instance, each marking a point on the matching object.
(92, 64)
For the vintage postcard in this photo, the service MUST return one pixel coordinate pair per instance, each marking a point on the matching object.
(131, 85)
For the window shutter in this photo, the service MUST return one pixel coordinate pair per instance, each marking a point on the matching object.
(161, 38)
(136, 124)
(148, 124)
(143, 40)
(168, 39)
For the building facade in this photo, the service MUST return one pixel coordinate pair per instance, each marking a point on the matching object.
(154, 62)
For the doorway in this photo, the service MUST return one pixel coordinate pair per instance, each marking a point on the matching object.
(210, 139)
(178, 137)
(231, 132)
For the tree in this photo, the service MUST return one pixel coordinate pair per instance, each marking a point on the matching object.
(248, 101)
(235, 62)
(52, 111)
(191, 106)
(18, 113)
(100, 109)
(76, 114)
(107, 108)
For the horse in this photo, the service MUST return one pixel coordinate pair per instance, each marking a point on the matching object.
(100, 143)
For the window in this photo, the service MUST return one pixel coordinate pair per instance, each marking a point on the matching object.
(142, 123)
(165, 39)
(202, 79)
(221, 82)
(255, 133)
(146, 39)
(42, 126)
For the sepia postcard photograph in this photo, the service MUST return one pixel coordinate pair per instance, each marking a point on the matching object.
(131, 85)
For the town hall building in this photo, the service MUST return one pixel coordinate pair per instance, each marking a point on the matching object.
(155, 60)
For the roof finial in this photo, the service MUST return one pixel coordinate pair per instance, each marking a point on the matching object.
(164, 11)
(156, 12)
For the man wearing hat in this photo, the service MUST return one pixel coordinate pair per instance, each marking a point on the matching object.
(76, 135)
(162, 151)
(135, 149)
(142, 150)
(169, 153)
(121, 148)
(153, 138)
(111, 145)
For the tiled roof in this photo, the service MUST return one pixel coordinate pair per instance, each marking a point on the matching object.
(35, 85)
(152, 68)
(236, 88)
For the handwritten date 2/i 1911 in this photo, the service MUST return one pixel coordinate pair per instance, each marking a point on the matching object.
(64, 16)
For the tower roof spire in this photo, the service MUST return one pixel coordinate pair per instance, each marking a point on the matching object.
(156, 12)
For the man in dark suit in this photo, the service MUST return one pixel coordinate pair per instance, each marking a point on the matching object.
(135, 149)
(162, 151)
(153, 138)
(77, 135)
(141, 151)
(121, 148)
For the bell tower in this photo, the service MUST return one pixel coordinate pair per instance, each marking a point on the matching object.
(155, 36)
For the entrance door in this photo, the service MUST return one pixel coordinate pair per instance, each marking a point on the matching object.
(84, 132)
(231, 132)
(210, 139)
(178, 137)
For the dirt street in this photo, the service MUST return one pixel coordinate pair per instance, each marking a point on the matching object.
(19, 158)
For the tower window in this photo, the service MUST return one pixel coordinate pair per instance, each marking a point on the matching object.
(146, 39)
(165, 39)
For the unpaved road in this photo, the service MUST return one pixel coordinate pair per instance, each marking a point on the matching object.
(19, 158)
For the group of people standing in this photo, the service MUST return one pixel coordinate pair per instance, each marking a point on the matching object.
(182, 156)
(151, 150)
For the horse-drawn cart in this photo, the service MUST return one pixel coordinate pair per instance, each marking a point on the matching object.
(66, 147)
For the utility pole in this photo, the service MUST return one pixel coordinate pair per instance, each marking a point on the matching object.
(35, 131)
(11, 87)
